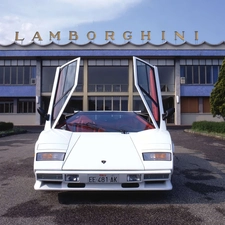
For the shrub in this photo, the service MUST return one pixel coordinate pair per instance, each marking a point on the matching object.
(217, 105)
(209, 126)
(6, 126)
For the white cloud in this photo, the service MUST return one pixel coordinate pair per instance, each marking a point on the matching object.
(30, 16)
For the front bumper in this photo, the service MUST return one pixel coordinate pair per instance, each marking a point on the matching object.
(149, 180)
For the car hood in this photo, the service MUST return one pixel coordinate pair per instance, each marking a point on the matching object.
(105, 151)
(113, 151)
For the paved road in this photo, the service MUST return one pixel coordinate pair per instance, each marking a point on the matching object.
(198, 196)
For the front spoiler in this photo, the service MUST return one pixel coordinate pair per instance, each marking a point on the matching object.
(153, 186)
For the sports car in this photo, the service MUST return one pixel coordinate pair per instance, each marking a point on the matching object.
(104, 150)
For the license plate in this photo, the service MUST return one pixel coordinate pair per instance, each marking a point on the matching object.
(103, 178)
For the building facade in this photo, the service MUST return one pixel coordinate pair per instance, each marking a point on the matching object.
(187, 75)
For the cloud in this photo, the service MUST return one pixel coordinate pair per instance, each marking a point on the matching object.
(30, 16)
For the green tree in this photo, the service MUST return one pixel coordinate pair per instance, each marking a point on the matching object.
(217, 97)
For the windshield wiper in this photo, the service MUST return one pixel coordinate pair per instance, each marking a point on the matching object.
(117, 129)
(124, 131)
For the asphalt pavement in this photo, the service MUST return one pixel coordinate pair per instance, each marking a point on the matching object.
(197, 198)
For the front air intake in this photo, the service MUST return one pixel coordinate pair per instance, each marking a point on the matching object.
(130, 185)
(76, 185)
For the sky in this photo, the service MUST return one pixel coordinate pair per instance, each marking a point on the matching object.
(25, 21)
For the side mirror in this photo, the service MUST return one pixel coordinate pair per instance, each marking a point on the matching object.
(43, 113)
(168, 113)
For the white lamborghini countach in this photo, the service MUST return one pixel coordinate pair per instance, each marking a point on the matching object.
(104, 150)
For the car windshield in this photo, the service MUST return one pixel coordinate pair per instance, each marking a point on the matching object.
(104, 121)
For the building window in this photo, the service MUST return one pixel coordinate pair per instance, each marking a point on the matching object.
(189, 105)
(108, 78)
(166, 78)
(48, 75)
(80, 83)
(201, 74)
(1, 75)
(138, 104)
(195, 75)
(6, 106)
(215, 73)
(208, 75)
(17, 75)
(6, 75)
(26, 106)
(108, 103)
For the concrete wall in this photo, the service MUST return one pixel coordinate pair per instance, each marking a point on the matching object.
(19, 119)
(189, 118)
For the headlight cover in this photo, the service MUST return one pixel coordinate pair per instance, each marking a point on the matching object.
(156, 156)
(50, 156)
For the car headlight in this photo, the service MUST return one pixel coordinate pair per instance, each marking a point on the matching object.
(156, 156)
(50, 156)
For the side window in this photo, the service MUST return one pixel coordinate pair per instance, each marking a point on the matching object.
(147, 85)
(65, 84)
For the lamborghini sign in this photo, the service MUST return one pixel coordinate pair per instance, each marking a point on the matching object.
(108, 35)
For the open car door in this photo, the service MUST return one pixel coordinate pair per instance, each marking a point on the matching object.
(65, 82)
(146, 81)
